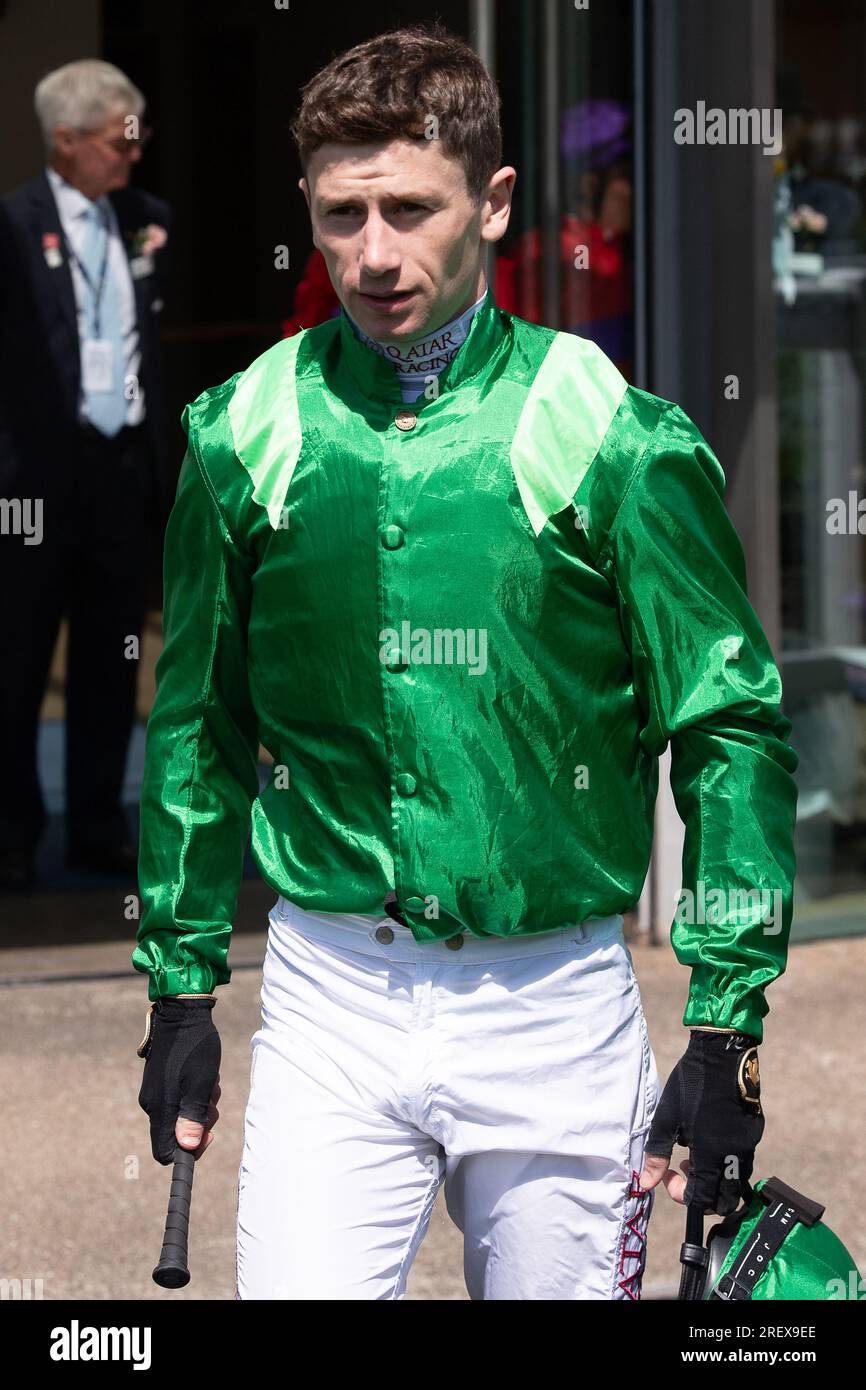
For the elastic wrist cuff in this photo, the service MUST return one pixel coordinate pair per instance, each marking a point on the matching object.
(187, 979)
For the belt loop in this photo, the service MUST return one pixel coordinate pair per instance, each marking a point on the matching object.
(584, 934)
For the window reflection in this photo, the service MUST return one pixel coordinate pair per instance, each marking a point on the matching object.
(819, 266)
(582, 219)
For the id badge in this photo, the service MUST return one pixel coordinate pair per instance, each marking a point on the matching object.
(141, 266)
(97, 365)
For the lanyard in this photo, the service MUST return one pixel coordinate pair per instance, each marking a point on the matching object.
(95, 290)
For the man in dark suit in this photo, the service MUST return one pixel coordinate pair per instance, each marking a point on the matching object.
(84, 483)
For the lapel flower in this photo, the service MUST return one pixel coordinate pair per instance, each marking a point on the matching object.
(51, 250)
(148, 239)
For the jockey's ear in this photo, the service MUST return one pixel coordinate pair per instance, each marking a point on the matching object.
(305, 189)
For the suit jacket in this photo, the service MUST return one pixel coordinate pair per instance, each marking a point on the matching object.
(40, 365)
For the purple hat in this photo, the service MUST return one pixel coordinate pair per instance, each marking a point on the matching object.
(594, 132)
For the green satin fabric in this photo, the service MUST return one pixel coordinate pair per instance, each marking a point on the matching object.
(812, 1264)
(307, 525)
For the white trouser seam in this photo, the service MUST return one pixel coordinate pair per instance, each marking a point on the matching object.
(426, 1208)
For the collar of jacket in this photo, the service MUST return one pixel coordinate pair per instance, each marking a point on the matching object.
(563, 395)
(264, 410)
(378, 380)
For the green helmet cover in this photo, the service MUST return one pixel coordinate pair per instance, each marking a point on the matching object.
(811, 1263)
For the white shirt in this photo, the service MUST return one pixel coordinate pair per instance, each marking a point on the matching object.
(71, 203)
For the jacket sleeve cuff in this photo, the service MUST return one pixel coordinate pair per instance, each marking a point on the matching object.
(183, 979)
(743, 1015)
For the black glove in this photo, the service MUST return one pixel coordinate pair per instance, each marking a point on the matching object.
(182, 1059)
(712, 1106)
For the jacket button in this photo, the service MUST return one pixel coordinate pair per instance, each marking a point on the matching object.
(406, 784)
(392, 537)
(454, 942)
(415, 904)
(405, 420)
(385, 935)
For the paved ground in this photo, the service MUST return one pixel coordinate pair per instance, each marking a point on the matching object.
(84, 1201)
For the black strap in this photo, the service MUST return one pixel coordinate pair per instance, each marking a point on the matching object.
(785, 1207)
(807, 1211)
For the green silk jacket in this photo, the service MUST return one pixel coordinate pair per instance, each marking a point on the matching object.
(465, 630)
